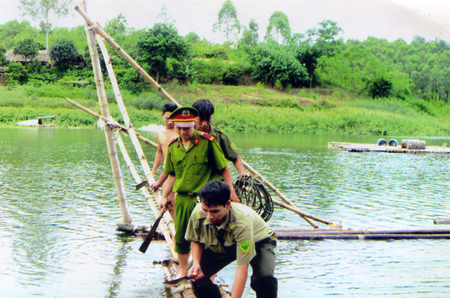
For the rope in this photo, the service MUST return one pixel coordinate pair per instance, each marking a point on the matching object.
(252, 193)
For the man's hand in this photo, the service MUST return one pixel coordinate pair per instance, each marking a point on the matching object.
(233, 197)
(196, 271)
(155, 185)
(164, 204)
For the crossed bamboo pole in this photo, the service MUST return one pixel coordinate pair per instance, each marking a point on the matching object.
(101, 93)
(133, 137)
(287, 203)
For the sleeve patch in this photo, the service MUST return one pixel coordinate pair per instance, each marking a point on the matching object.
(245, 246)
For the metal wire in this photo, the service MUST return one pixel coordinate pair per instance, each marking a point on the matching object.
(252, 193)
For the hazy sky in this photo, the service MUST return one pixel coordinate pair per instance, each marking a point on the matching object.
(390, 19)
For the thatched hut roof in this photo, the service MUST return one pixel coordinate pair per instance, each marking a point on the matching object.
(43, 56)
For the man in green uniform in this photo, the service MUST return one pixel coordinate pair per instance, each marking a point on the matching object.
(220, 232)
(192, 160)
(203, 123)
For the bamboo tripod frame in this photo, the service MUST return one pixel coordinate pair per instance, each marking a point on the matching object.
(287, 203)
(109, 132)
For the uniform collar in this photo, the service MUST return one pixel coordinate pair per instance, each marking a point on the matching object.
(194, 141)
(212, 131)
(224, 225)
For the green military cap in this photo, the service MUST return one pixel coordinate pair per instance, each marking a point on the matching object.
(184, 116)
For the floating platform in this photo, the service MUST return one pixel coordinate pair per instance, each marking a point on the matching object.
(355, 147)
(348, 234)
(37, 122)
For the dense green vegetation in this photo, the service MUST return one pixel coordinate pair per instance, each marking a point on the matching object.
(372, 86)
(239, 108)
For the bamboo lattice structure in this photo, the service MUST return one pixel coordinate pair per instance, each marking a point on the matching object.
(289, 205)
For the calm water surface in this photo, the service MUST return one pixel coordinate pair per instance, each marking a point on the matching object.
(58, 214)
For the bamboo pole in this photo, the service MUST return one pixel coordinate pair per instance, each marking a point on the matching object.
(110, 121)
(442, 222)
(126, 118)
(127, 57)
(167, 229)
(136, 66)
(364, 237)
(112, 151)
(289, 205)
(301, 213)
(287, 232)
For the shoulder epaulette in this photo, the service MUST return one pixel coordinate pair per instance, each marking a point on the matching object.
(173, 141)
(208, 137)
(220, 131)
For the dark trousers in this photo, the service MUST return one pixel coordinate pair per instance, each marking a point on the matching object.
(262, 282)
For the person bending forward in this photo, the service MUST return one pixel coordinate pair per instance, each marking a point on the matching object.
(222, 231)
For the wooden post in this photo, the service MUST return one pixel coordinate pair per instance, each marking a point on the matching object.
(108, 129)
(126, 118)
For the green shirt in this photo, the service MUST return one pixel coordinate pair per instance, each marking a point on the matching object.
(242, 226)
(194, 167)
(229, 149)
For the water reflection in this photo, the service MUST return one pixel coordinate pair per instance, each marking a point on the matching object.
(59, 210)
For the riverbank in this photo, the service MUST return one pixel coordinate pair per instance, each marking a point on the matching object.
(239, 109)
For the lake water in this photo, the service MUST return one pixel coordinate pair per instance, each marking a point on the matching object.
(58, 214)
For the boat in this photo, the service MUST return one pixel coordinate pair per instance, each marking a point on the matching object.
(37, 122)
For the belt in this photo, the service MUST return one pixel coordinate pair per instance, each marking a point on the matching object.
(187, 193)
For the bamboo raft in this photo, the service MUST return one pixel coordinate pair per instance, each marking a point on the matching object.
(346, 234)
(349, 234)
(355, 147)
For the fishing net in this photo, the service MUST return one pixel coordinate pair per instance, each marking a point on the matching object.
(252, 193)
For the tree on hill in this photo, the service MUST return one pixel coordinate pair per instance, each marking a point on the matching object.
(64, 53)
(228, 22)
(278, 26)
(27, 47)
(164, 17)
(158, 44)
(325, 37)
(277, 65)
(192, 37)
(117, 27)
(12, 31)
(40, 10)
(3, 51)
(250, 36)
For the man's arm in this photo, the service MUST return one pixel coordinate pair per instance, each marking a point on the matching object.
(166, 191)
(158, 156)
(157, 184)
(226, 174)
(239, 165)
(197, 252)
(239, 281)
